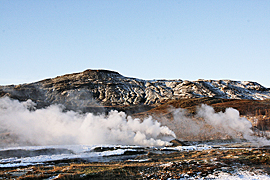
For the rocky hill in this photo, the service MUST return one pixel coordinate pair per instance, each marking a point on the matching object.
(103, 88)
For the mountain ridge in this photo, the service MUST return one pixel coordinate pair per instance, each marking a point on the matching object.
(98, 88)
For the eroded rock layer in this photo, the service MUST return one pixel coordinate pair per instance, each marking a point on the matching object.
(94, 88)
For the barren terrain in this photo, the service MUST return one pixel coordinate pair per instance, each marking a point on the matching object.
(207, 157)
(118, 127)
(216, 162)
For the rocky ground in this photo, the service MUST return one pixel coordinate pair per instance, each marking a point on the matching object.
(100, 91)
(102, 88)
(193, 164)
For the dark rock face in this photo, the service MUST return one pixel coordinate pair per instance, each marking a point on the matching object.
(99, 88)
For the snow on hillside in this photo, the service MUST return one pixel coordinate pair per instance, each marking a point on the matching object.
(106, 88)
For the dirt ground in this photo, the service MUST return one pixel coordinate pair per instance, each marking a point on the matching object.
(175, 165)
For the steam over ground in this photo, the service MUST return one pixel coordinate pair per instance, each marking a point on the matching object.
(209, 125)
(26, 125)
(53, 126)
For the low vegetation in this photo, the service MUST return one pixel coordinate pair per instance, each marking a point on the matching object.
(153, 166)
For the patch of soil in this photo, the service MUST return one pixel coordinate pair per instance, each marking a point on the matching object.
(185, 164)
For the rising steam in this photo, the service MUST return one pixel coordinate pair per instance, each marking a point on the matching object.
(207, 125)
(22, 124)
(53, 126)
(228, 122)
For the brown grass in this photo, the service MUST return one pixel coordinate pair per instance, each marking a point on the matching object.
(258, 109)
(192, 163)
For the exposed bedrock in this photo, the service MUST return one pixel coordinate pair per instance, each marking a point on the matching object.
(102, 88)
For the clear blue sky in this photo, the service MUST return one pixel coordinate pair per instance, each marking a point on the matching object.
(148, 39)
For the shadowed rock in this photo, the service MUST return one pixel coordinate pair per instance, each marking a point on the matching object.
(93, 90)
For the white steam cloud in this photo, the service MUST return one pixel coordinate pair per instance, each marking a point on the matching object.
(53, 126)
(207, 124)
(229, 122)
(22, 124)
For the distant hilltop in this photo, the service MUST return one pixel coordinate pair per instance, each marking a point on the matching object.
(96, 88)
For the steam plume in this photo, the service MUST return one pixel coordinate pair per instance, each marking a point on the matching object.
(207, 124)
(53, 126)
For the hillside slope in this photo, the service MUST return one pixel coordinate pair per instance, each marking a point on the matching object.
(103, 88)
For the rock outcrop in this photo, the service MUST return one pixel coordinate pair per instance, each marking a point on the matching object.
(99, 88)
